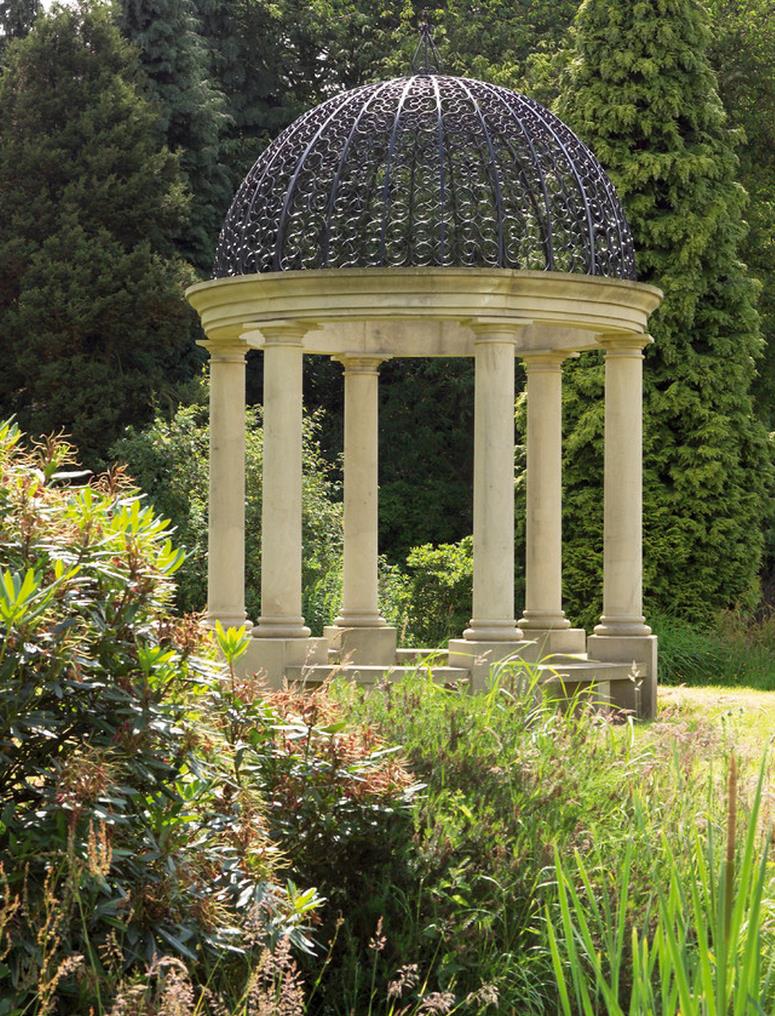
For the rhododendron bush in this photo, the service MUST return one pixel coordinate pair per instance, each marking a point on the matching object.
(150, 797)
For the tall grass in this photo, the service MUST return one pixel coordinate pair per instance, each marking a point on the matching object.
(736, 651)
(513, 784)
(703, 948)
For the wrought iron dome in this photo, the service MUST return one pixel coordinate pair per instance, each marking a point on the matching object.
(427, 170)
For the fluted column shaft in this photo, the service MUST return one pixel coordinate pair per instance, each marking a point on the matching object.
(623, 498)
(226, 495)
(361, 462)
(543, 559)
(493, 594)
(281, 549)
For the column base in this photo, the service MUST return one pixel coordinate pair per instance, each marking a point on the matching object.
(358, 619)
(270, 656)
(627, 627)
(374, 645)
(227, 620)
(281, 628)
(543, 620)
(484, 630)
(550, 641)
(480, 656)
(640, 695)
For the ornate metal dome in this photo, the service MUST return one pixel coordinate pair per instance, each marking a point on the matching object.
(427, 170)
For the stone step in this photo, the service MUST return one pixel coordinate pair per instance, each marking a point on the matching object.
(370, 675)
(562, 659)
(409, 656)
(570, 671)
(575, 671)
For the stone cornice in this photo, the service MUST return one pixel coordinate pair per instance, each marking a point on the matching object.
(234, 306)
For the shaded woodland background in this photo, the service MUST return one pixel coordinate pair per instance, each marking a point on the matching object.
(125, 129)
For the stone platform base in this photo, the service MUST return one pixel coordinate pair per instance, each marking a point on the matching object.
(372, 646)
(620, 670)
(639, 693)
(272, 657)
(481, 657)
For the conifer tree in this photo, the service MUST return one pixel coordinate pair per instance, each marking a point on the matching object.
(16, 18)
(193, 111)
(93, 322)
(641, 93)
(743, 50)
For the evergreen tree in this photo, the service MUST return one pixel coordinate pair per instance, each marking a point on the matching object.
(273, 59)
(193, 115)
(743, 50)
(93, 323)
(499, 40)
(642, 94)
(249, 63)
(16, 18)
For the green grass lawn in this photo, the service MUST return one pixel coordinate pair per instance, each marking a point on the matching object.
(745, 717)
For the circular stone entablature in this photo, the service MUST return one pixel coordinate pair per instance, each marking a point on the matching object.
(394, 216)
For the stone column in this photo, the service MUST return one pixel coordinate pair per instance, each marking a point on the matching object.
(622, 635)
(543, 558)
(543, 621)
(493, 600)
(226, 499)
(359, 606)
(623, 496)
(359, 632)
(281, 489)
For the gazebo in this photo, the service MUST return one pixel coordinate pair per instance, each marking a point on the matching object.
(430, 215)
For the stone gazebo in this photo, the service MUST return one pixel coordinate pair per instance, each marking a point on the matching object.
(429, 216)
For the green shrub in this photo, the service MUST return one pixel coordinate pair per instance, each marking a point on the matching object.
(736, 651)
(170, 461)
(150, 800)
(439, 590)
(116, 847)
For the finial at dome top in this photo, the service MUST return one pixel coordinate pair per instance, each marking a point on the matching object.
(426, 58)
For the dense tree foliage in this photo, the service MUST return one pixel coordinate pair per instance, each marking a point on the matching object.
(742, 49)
(143, 149)
(16, 18)
(642, 93)
(192, 112)
(93, 324)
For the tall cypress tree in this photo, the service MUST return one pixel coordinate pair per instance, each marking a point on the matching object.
(193, 111)
(93, 322)
(642, 94)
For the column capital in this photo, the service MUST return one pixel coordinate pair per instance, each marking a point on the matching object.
(229, 351)
(624, 345)
(359, 364)
(550, 360)
(287, 333)
(496, 331)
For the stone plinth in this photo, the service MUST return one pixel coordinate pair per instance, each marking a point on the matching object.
(375, 645)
